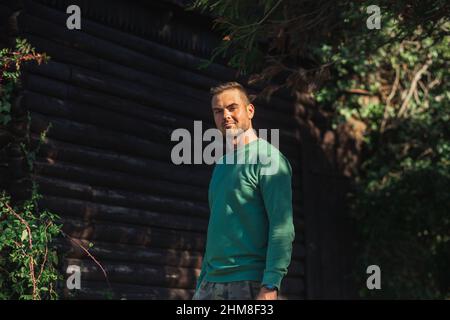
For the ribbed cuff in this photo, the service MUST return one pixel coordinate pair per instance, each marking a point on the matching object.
(272, 278)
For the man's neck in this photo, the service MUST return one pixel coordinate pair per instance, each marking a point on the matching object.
(244, 138)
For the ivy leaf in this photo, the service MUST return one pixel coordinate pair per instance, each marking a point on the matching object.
(24, 235)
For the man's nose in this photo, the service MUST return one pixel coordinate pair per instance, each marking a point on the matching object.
(226, 114)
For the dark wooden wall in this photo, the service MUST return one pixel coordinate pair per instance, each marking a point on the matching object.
(113, 93)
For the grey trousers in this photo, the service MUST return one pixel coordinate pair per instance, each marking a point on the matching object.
(236, 290)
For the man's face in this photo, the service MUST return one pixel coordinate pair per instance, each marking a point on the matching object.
(231, 112)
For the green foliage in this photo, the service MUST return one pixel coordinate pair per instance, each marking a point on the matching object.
(28, 261)
(401, 207)
(30, 155)
(394, 83)
(10, 64)
(242, 23)
(27, 257)
(401, 203)
(279, 32)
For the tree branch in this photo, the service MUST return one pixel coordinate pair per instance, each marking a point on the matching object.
(416, 78)
(30, 245)
(89, 254)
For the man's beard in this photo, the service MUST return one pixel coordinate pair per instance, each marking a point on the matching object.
(236, 137)
(235, 131)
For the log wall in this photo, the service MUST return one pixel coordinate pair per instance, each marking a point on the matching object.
(113, 93)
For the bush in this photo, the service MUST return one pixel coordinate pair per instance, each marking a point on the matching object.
(27, 258)
(28, 262)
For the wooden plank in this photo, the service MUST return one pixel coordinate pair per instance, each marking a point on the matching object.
(152, 216)
(129, 253)
(57, 168)
(203, 78)
(99, 290)
(101, 118)
(64, 92)
(90, 135)
(140, 254)
(93, 79)
(134, 235)
(111, 195)
(139, 68)
(83, 96)
(163, 276)
(144, 236)
(136, 274)
(167, 172)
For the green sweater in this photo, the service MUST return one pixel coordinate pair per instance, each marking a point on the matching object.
(250, 231)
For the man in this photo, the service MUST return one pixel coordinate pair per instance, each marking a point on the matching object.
(250, 231)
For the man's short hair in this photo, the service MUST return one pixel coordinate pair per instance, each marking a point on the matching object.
(230, 85)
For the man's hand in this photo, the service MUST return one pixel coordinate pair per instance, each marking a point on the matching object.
(266, 294)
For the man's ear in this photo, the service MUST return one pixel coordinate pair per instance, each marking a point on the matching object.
(250, 110)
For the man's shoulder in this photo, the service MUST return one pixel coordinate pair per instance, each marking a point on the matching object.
(264, 145)
(273, 160)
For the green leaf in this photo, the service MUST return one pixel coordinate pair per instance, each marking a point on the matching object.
(24, 235)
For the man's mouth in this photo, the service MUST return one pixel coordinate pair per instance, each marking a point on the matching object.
(228, 125)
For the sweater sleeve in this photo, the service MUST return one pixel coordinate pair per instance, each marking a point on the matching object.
(276, 191)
